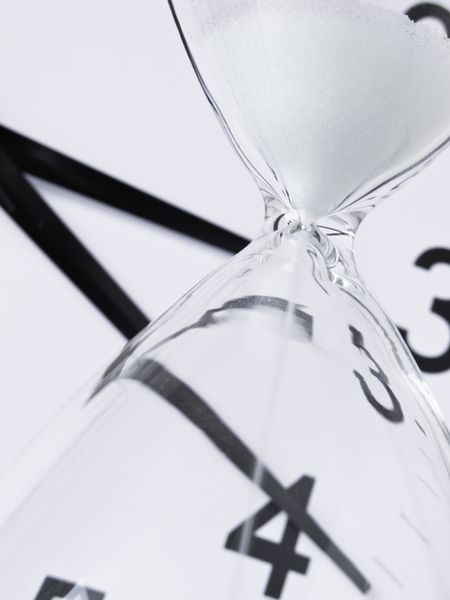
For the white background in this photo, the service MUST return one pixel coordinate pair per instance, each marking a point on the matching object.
(108, 83)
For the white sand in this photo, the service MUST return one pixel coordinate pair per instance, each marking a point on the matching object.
(338, 97)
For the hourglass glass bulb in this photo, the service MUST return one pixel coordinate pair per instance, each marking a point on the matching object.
(270, 435)
(326, 102)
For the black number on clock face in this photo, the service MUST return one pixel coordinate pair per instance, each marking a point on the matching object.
(425, 10)
(394, 413)
(53, 588)
(281, 555)
(197, 410)
(440, 363)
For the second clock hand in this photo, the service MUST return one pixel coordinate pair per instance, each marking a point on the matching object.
(195, 409)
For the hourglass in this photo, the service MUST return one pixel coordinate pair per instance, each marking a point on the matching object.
(269, 436)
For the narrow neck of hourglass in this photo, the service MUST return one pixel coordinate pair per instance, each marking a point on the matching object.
(333, 235)
(341, 226)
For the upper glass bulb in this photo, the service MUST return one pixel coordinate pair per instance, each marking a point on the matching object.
(326, 102)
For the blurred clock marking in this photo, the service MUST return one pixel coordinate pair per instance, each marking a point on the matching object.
(394, 414)
(428, 486)
(426, 10)
(420, 427)
(388, 572)
(53, 589)
(429, 459)
(281, 555)
(414, 528)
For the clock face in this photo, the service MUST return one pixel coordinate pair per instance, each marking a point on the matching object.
(250, 446)
(148, 500)
(153, 148)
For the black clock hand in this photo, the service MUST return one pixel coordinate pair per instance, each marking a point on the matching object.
(34, 216)
(193, 407)
(36, 159)
(302, 320)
